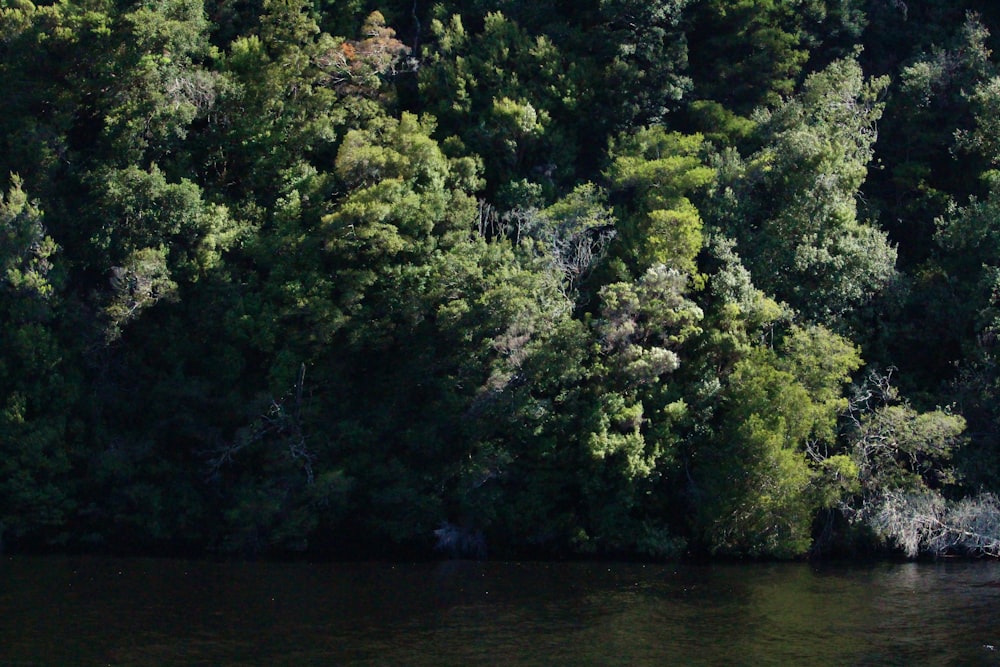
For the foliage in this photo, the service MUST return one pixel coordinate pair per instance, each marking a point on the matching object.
(757, 487)
(795, 211)
(38, 391)
(658, 170)
(513, 279)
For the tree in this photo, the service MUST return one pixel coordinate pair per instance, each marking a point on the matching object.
(645, 73)
(147, 234)
(655, 171)
(765, 47)
(292, 89)
(39, 387)
(159, 82)
(795, 215)
(519, 87)
(757, 484)
(932, 104)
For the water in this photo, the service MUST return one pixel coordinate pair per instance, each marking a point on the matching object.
(72, 611)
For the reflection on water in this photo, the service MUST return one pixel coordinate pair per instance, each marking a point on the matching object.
(72, 611)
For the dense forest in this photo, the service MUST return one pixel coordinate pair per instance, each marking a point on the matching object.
(611, 278)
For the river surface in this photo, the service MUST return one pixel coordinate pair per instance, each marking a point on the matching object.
(93, 611)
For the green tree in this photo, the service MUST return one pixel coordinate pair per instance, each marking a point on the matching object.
(293, 89)
(147, 234)
(350, 287)
(644, 75)
(758, 483)
(966, 323)
(520, 88)
(39, 382)
(655, 171)
(748, 53)
(160, 82)
(792, 208)
(941, 91)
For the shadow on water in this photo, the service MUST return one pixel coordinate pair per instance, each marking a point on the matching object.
(94, 611)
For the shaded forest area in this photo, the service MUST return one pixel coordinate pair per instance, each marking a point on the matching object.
(526, 279)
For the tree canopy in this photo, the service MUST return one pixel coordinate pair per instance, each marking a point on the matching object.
(606, 278)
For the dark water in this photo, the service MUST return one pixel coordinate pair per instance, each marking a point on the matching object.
(66, 611)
